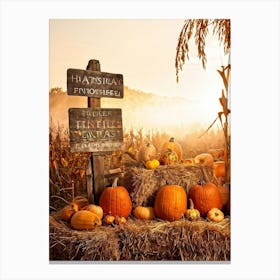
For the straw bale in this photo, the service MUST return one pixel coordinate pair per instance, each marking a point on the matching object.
(180, 240)
(143, 184)
(139, 240)
(69, 244)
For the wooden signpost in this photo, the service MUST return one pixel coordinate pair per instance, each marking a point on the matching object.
(94, 129)
(94, 83)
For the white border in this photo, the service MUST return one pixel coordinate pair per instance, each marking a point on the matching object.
(24, 138)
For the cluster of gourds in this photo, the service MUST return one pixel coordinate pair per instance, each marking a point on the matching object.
(115, 206)
(171, 153)
(205, 200)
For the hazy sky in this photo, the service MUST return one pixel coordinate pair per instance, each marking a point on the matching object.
(142, 50)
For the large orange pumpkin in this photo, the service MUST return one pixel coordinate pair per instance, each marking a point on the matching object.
(170, 203)
(174, 146)
(116, 201)
(205, 196)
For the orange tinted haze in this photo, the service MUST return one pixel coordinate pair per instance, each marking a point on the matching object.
(143, 50)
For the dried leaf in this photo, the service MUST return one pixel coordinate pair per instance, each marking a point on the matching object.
(64, 162)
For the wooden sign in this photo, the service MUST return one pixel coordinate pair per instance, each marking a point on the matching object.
(95, 130)
(94, 83)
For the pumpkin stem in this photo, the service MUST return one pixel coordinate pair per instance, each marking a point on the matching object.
(172, 139)
(205, 176)
(201, 182)
(115, 182)
(191, 204)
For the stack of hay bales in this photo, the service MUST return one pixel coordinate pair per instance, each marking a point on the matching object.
(143, 184)
(139, 240)
(142, 241)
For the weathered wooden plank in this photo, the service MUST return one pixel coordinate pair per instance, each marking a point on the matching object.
(95, 130)
(99, 183)
(89, 177)
(98, 160)
(94, 83)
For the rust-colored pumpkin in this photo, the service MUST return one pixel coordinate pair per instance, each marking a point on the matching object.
(68, 211)
(174, 146)
(170, 202)
(95, 209)
(116, 201)
(219, 169)
(147, 152)
(205, 196)
(169, 157)
(84, 219)
(81, 201)
(144, 213)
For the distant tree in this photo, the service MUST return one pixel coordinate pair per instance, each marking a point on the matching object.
(199, 29)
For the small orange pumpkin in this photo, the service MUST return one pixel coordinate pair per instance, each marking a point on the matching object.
(84, 219)
(95, 209)
(120, 220)
(215, 215)
(144, 213)
(68, 211)
(147, 152)
(152, 164)
(116, 201)
(174, 146)
(109, 220)
(170, 202)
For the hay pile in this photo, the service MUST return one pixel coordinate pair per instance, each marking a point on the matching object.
(139, 240)
(142, 241)
(68, 244)
(143, 184)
